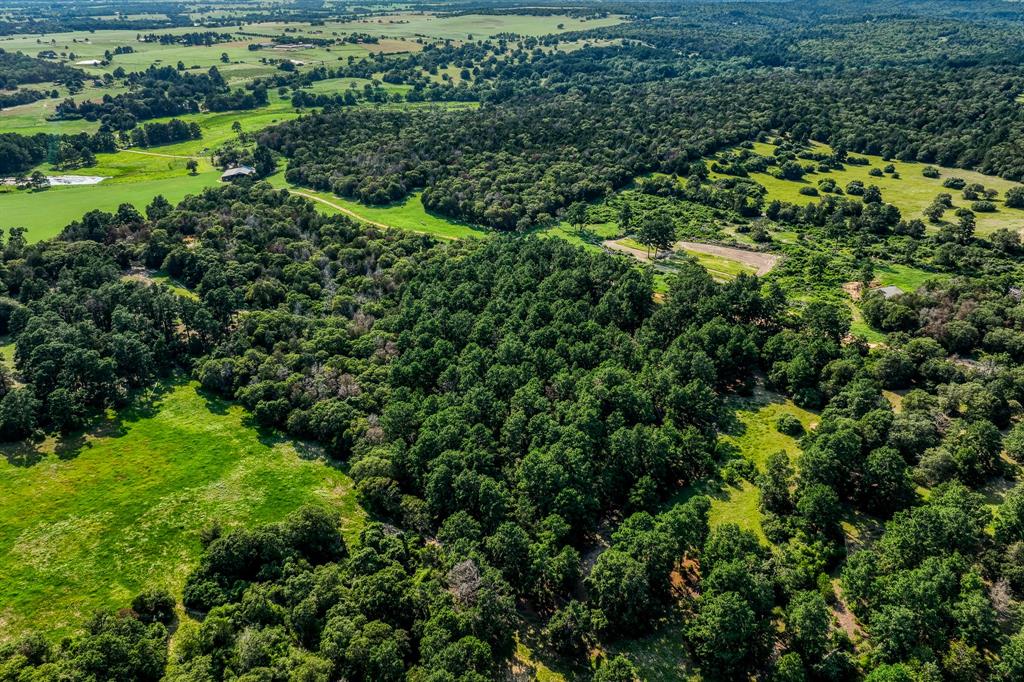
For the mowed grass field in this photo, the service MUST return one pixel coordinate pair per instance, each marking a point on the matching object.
(911, 192)
(413, 25)
(121, 509)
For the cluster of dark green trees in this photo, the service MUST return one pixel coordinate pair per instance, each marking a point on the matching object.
(18, 69)
(19, 153)
(162, 91)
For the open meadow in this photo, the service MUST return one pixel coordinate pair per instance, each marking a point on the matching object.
(911, 192)
(121, 507)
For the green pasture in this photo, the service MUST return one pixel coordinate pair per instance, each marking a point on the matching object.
(905, 277)
(911, 192)
(29, 119)
(339, 85)
(121, 508)
(243, 64)
(412, 25)
(46, 213)
(135, 176)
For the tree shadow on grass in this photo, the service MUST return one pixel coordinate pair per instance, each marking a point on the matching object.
(143, 404)
(214, 403)
(23, 453)
(306, 450)
(538, 654)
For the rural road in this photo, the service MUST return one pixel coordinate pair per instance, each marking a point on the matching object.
(762, 262)
(166, 156)
(344, 210)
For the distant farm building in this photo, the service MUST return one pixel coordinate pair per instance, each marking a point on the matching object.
(232, 174)
(89, 62)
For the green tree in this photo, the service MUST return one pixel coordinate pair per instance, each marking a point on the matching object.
(724, 636)
(576, 215)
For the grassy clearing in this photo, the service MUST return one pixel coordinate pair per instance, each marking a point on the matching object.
(407, 214)
(721, 269)
(589, 237)
(859, 327)
(46, 213)
(911, 192)
(120, 508)
(753, 436)
(753, 432)
(658, 657)
(903, 276)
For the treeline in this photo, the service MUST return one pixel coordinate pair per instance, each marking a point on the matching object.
(162, 91)
(23, 96)
(19, 153)
(17, 69)
(193, 38)
(153, 134)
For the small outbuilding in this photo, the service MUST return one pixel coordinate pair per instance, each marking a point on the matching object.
(232, 174)
(890, 291)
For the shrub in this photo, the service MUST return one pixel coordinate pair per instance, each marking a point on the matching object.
(930, 172)
(954, 183)
(736, 469)
(154, 606)
(789, 425)
(983, 207)
(809, 191)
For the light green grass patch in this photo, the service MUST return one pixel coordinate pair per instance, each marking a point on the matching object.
(339, 85)
(753, 432)
(526, 663)
(860, 327)
(407, 214)
(590, 237)
(720, 268)
(905, 277)
(911, 192)
(120, 509)
(738, 505)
